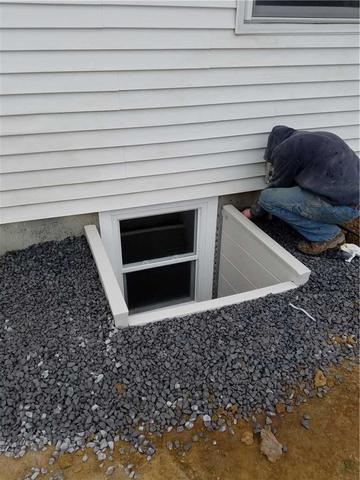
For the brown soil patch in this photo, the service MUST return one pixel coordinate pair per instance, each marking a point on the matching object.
(328, 451)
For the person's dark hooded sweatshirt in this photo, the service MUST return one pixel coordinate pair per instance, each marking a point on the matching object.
(320, 162)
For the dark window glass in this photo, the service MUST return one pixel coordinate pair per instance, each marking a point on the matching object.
(157, 236)
(161, 286)
(306, 8)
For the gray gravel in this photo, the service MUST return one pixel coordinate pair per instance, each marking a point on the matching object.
(61, 358)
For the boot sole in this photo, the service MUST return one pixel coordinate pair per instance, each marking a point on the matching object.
(330, 247)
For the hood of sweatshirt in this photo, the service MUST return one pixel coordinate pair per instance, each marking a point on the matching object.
(277, 136)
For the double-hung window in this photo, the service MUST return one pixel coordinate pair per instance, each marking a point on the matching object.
(297, 16)
(162, 255)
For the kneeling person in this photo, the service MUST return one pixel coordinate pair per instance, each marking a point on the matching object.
(314, 187)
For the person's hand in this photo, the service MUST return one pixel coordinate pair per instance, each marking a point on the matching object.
(247, 213)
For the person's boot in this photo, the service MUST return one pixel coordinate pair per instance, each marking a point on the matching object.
(352, 231)
(316, 248)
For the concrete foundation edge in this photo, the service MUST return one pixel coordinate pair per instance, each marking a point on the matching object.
(16, 236)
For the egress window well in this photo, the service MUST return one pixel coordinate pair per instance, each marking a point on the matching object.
(163, 259)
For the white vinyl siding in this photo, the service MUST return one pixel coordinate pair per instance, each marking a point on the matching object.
(120, 60)
(132, 103)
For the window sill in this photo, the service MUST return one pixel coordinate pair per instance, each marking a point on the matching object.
(287, 28)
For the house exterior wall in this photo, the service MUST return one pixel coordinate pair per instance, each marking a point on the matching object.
(109, 105)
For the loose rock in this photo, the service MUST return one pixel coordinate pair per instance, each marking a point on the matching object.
(110, 470)
(319, 379)
(268, 421)
(270, 446)
(305, 423)
(247, 437)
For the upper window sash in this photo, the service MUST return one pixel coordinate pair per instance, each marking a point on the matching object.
(246, 22)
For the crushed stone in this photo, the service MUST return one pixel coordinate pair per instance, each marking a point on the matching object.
(55, 319)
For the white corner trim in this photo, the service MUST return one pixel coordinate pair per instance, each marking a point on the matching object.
(109, 282)
(192, 308)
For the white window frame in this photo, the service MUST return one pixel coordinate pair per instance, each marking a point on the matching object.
(204, 245)
(247, 24)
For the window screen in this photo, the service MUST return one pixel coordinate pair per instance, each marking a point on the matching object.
(157, 236)
(306, 8)
(160, 286)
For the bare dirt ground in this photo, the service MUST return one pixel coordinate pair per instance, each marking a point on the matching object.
(329, 450)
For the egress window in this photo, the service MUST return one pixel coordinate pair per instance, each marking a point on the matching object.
(158, 259)
(162, 255)
(297, 16)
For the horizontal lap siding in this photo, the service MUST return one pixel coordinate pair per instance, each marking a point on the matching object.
(20, 15)
(158, 151)
(155, 99)
(111, 106)
(156, 39)
(58, 123)
(15, 144)
(123, 60)
(59, 82)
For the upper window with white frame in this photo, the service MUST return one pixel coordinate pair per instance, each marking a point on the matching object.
(297, 16)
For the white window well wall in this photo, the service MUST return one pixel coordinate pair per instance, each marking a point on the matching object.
(252, 264)
(297, 16)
